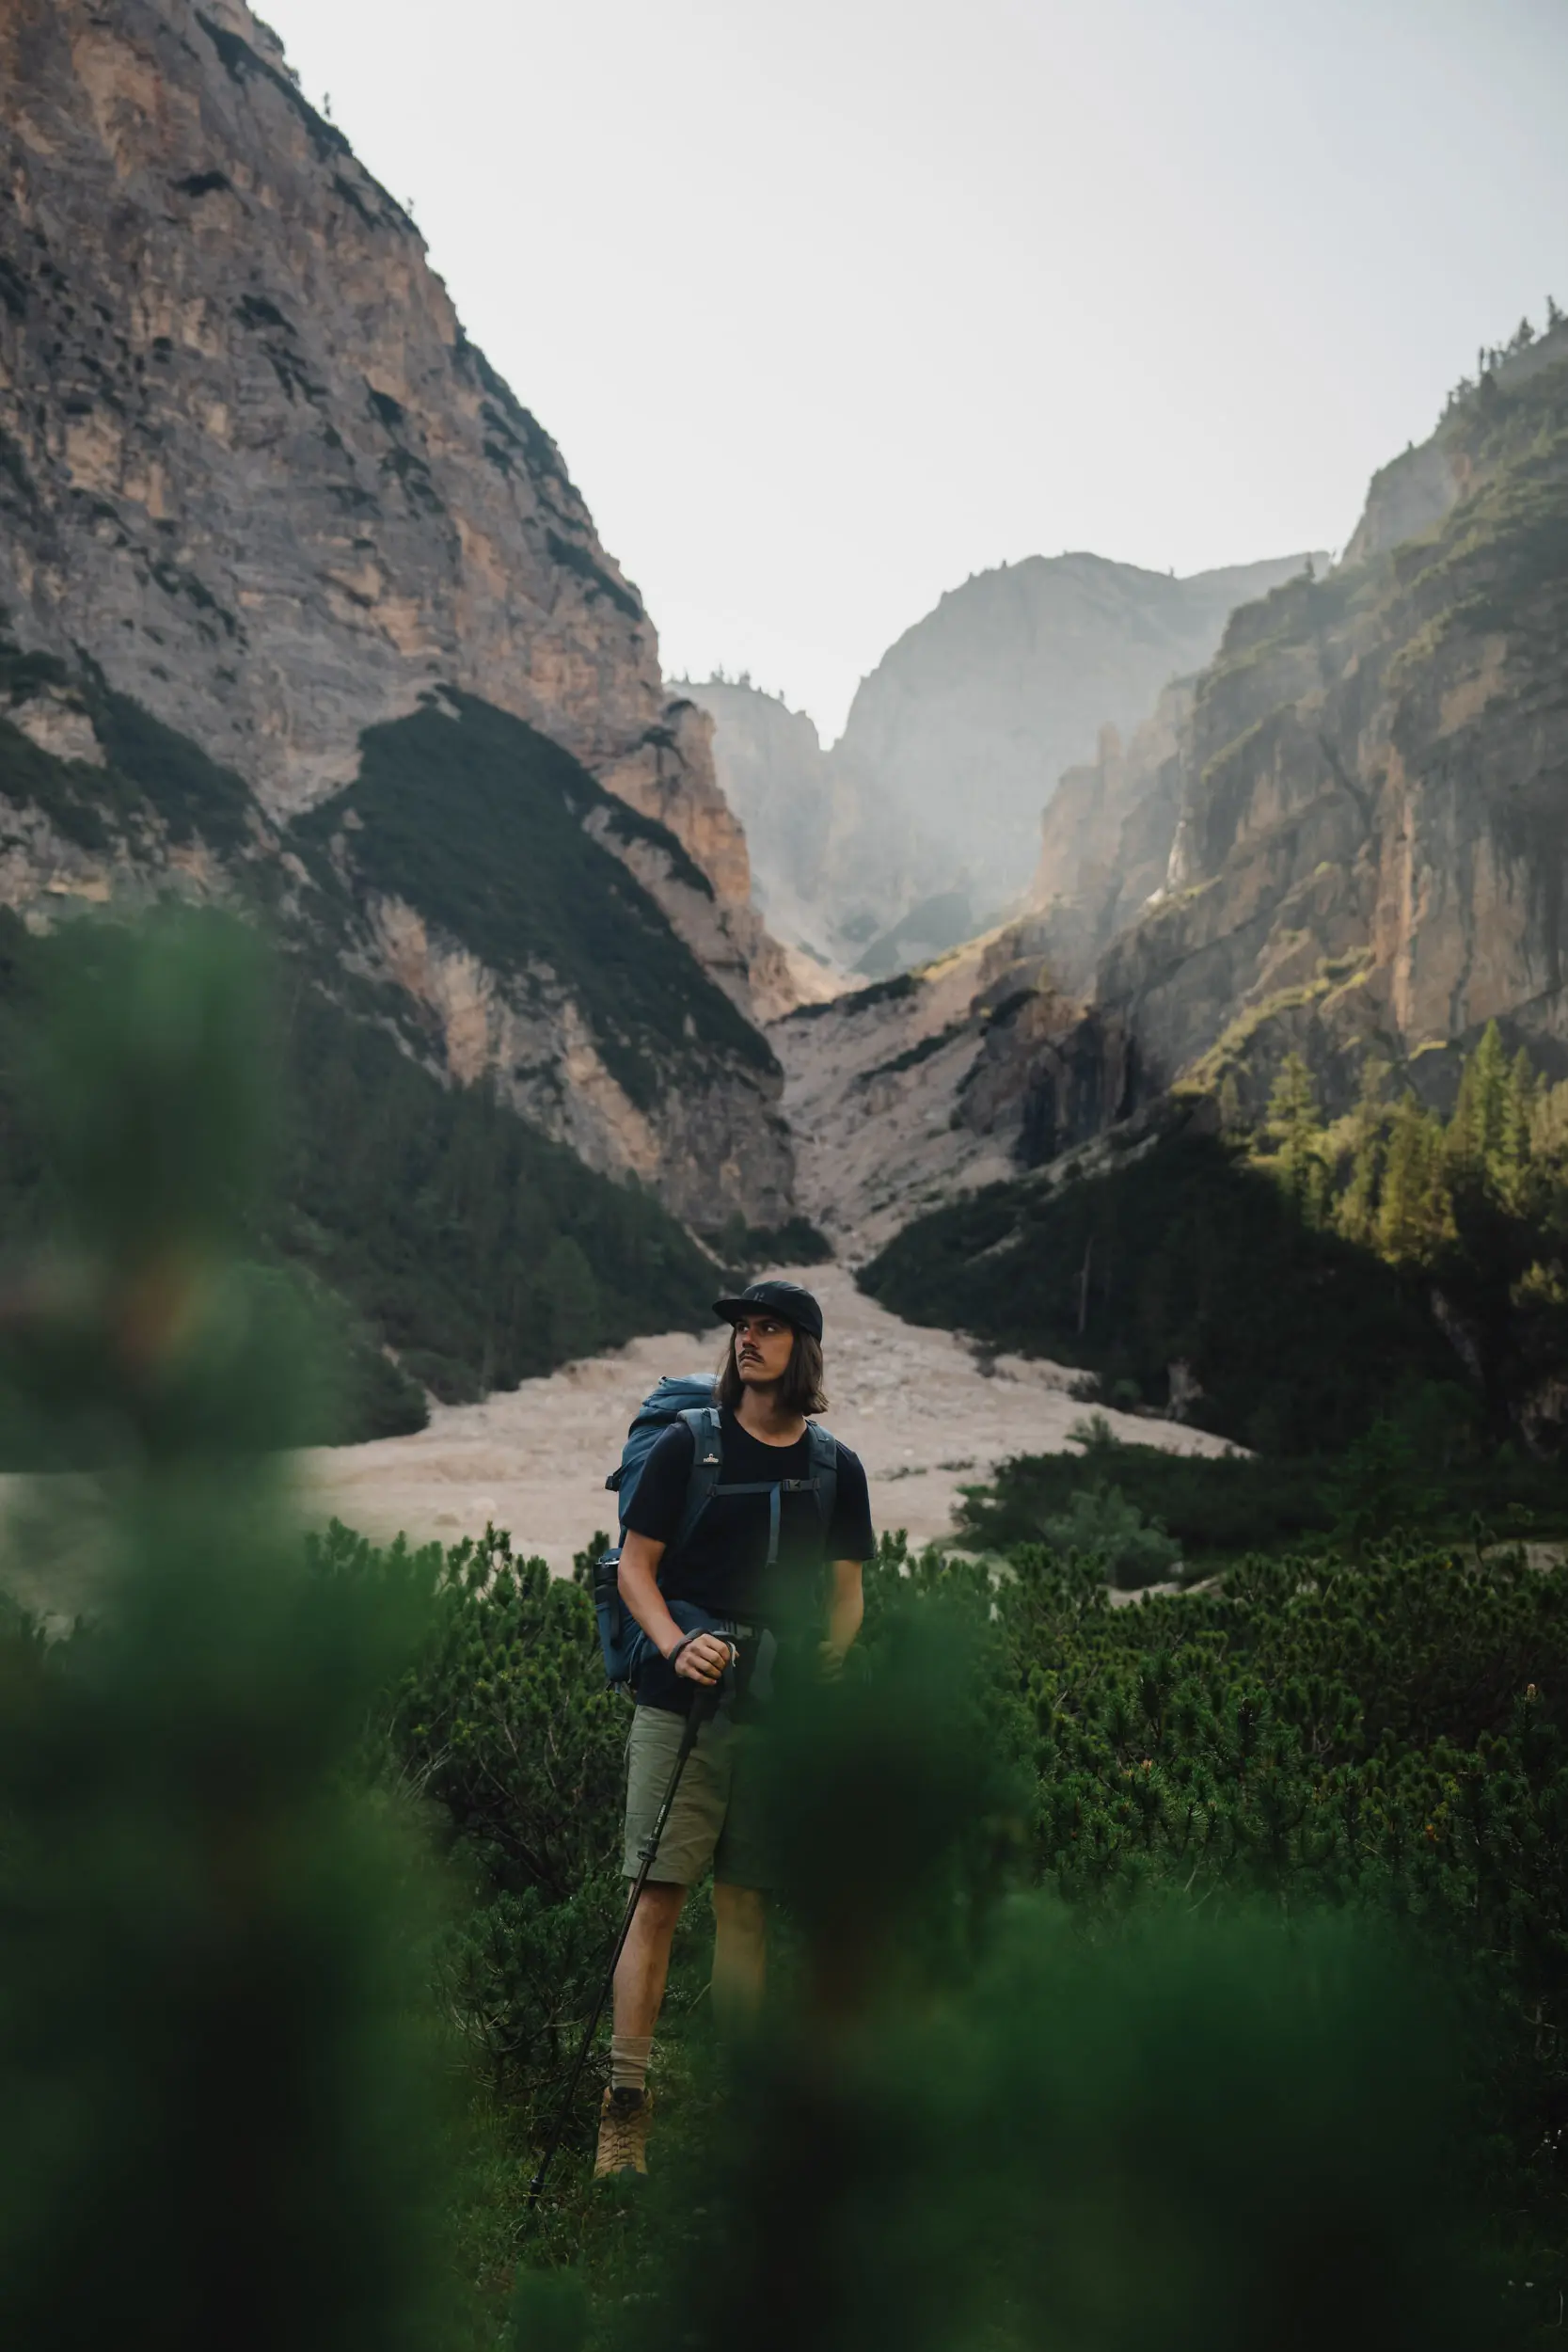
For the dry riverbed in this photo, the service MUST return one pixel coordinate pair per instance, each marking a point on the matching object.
(915, 1404)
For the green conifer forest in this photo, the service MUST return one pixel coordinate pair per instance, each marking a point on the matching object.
(1309, 1277)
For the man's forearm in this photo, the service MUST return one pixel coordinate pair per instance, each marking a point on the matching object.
(639, 1587)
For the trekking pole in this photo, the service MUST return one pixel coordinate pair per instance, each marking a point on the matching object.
(702, 1708)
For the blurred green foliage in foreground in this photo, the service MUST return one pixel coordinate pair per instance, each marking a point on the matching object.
(213, 2028)
(1185, 1974)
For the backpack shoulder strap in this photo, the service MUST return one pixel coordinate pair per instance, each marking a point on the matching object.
(707, 1466)
(823, 1452)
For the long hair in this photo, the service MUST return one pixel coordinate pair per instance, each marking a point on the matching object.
(800, 1390)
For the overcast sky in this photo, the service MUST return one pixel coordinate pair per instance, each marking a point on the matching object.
(830, 303)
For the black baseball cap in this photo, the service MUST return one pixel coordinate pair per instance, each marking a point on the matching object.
(787, 1300)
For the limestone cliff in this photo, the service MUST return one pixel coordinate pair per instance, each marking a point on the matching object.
(540, 965)
(255, 472)
(1372, 839)
(1105, 839)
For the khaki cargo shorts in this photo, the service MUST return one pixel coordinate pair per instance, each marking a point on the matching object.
(717, 1817)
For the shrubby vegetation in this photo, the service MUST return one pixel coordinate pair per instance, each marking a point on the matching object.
(1379, 1745)
(1188, 1972)
(1422, 1469)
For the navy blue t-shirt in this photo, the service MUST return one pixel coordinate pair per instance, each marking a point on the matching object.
(723, 1567)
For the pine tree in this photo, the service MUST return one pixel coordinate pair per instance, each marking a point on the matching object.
(1294, 1126)
(1413, 1213)
(215, 2090)
(1480, 1112)
(1356, 1212)
(1513, 1147)
(1549, 1128)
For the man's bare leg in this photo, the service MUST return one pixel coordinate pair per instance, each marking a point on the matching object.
(640, 1978)
(740, 1955)
(643, 1967)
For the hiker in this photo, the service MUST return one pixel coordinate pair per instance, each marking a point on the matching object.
(751, 1559)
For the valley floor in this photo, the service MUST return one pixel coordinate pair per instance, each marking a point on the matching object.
(914, 1403)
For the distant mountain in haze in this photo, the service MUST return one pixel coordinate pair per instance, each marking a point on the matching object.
(967, 723)
(922, 824)
(835, 870)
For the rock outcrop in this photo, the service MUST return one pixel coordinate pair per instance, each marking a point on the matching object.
(1105, 839)
(253, 470)
(538, 966)
(1347, 835)
(908, 1094)
(1370, 848)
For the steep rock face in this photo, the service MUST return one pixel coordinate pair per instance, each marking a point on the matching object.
(1372, 841)
(834, 866)
(543, 967)
(925, 1087)
(253, 470)
(1105, 839)
(969, 720)
(544, 964)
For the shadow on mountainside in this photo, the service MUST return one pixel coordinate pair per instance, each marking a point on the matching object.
(1184, 1275)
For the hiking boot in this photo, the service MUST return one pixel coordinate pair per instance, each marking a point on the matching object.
(624, 2118)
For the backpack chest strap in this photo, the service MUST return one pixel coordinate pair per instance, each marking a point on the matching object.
(708, 1470)
(775, 1489)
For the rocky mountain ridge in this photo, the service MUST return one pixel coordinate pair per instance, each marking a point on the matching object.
(303, 614)
(1105, 839)
(1369, 805)
(254, 470)
(890, 846)
(1347, 838)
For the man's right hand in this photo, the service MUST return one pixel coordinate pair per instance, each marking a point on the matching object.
(705, 1659)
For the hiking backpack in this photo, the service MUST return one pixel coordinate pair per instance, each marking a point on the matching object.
(693, 1400)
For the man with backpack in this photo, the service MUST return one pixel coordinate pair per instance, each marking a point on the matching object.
(749, 1520)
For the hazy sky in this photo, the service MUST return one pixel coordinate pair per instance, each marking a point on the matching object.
(833, 302)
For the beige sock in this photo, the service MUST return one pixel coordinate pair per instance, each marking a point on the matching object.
(630, 2054)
